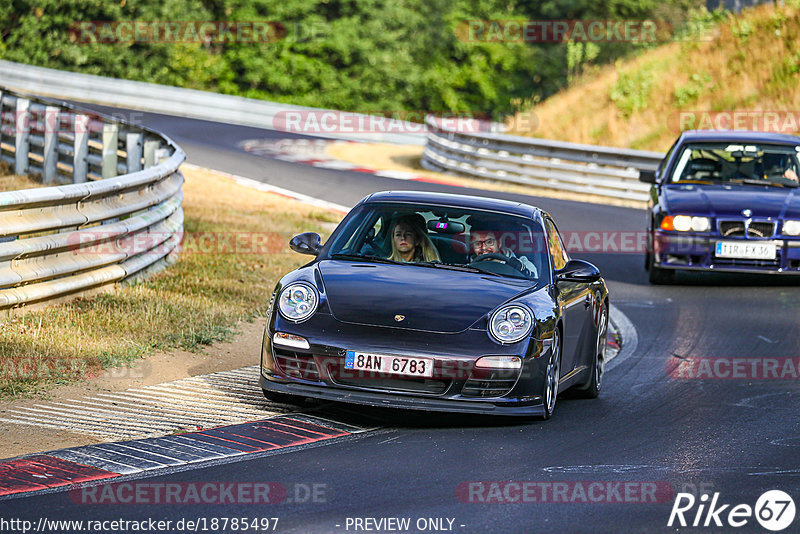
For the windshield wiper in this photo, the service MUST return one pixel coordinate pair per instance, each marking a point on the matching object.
(359, 257)
(450, 266)
(753, 181)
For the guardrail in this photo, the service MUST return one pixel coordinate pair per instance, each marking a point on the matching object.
(205, 105)
(118, 218)
(596, 170)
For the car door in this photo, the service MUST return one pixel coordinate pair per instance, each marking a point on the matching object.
(574, 299)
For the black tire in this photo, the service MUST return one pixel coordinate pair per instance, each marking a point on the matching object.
(552, 377)
(657, 275)
(592, 388)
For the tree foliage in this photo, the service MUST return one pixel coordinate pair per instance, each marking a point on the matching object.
(362, 55)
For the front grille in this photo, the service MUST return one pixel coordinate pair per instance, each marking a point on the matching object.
(490, 382)
(754, 229)
(296, 364)
(431, 386)
(760, 264)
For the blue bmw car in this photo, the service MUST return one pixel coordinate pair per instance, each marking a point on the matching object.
(439, 302)
(725, 201)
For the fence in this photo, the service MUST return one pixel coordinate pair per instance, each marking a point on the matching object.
(118, 216)
(177, 101)
(596, 170)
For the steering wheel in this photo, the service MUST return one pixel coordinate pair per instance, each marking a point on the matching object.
(491, 256)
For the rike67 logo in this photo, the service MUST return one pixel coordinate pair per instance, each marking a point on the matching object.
(774, 511)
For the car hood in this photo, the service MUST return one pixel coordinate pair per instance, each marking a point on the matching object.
(730, 200)
(429, 299)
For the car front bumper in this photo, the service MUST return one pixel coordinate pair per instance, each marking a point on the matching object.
(457, 386)
(696, 253)
(388, 400)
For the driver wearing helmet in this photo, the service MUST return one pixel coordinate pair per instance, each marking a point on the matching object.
(485, 239)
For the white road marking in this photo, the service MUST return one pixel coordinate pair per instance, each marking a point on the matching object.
(627, 332)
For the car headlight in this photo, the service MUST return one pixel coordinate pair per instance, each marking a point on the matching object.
(684, 223)
(298, 301)
(791, 227)
(511, 323)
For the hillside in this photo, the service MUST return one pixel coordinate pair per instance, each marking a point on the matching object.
(746, 64)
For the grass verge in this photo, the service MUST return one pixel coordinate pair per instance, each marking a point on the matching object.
(748, 63)
(13, 182)
(235, 249)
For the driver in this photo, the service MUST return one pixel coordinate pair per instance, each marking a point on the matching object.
(779, 165)
(484, 239)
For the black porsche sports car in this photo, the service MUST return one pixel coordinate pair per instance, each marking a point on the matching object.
(439, 302)
(725, 201)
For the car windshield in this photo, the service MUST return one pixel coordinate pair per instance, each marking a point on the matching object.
(737, 163)
(443, 238)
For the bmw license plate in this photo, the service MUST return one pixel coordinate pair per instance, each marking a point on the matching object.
(747, 251)
(381, 363)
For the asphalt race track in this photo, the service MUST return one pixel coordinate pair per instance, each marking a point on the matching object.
(613, 464)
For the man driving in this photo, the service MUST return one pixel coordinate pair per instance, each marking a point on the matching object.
(779, 165)
(486, 239)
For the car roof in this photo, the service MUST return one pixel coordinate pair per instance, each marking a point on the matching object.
(461, 201)
(739, 136)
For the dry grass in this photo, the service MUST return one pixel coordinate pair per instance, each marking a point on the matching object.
(195, 302)
(13, 182)
(747, 63)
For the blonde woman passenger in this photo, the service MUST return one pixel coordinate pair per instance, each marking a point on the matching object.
(410, 241)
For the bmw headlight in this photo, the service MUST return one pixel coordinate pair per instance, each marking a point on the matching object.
(298, 301)
(791, 227)
(511, 323)
(684, 223)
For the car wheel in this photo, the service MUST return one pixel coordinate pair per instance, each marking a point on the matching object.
(593, 386)
(657, 275)
(552, 377)
(282, 398)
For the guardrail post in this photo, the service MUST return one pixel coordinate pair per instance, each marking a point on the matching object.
(50, 166)
(162, 155)
(110, 146)
(150, 153)
(2, 115)
(80, 167)
(133, 146)
(22, 129)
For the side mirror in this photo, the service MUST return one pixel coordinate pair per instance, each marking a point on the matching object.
(647, 176)
(578, 271)
(306, 243)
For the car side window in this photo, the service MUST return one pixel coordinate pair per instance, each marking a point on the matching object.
(556, 246)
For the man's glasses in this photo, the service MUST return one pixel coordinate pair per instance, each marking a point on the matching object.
(488, 242)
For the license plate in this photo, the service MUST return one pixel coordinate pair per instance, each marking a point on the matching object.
(381, 363)
(748, 251)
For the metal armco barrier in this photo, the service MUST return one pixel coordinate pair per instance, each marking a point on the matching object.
(177, 101)
(118, 217)
(596, 170)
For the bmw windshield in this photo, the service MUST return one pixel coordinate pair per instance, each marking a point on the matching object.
(734, 163)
